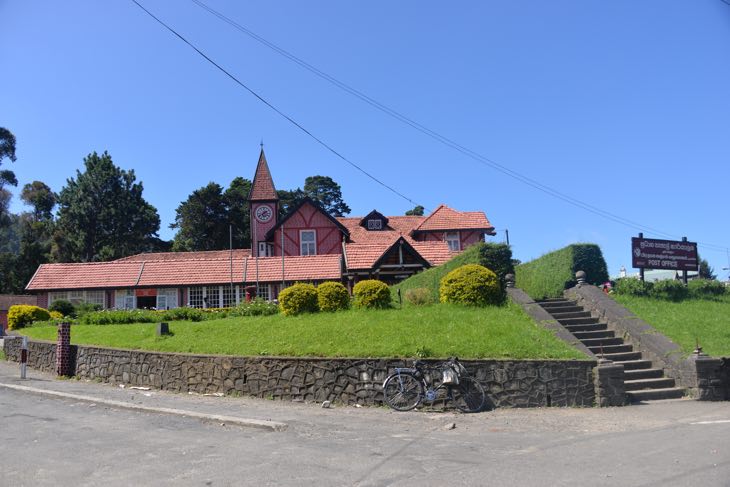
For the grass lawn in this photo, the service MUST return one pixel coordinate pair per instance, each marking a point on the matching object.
(429, 331)
(685, 321)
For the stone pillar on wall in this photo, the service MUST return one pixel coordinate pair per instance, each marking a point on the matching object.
(713, 383)
(609, 383)
(63, 350)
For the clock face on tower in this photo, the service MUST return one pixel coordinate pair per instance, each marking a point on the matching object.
(264, 213)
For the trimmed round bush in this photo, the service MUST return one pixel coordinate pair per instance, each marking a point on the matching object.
(297, 299)
(62, 306)
(332, 296)
(705, 288)
(471, 284)
(371, 293)
(22, 315)
(632, 287)
(670, 289)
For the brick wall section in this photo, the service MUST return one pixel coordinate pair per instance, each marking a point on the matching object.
(63, 350)
(509, 383)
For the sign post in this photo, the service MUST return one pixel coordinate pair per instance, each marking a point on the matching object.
(673, 255)
(23, 357)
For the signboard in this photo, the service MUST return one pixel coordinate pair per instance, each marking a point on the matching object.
(675, 255)
(145, 292)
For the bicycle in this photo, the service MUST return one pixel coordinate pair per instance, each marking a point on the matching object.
(405, 388)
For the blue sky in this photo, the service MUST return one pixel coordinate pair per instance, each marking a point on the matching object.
(623, 105)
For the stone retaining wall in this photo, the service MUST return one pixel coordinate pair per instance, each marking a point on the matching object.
(509, 383)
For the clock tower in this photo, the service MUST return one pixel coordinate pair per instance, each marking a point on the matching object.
(264, 208)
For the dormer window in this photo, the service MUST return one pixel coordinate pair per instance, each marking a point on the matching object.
(374, 221)
(375, 224)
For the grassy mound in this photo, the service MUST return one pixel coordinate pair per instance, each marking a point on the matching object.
(548, 276)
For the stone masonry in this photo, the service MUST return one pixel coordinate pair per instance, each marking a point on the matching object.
(509, 383)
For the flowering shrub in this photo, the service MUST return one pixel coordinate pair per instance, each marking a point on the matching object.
(21, 315)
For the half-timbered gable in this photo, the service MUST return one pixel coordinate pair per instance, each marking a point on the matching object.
(307, 229)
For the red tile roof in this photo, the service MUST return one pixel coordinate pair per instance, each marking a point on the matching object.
(445, 218)
(262, 188)
(203, 254)
(366, 247)
(181, 272)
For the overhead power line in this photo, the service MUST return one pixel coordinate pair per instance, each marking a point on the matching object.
(445, 140)
(274, 108)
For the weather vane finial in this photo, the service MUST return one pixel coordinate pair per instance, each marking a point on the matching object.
(262, 143)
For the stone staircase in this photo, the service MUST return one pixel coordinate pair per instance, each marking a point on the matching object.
(643, 382)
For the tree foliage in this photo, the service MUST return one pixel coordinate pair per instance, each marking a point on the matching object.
(203, 219)
(102, 214)
(417, 211)
(327, 193)
(38, 195)
(7, 151)
(707, 272)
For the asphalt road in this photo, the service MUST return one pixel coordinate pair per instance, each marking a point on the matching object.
(54, 441)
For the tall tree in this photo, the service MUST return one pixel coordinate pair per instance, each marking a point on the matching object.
(328, 193)
(38, 195)
(102, 214)
(417, 211)
(238, 214)
(7, 151)
(202, 221)
(288, 199)
(706, 272)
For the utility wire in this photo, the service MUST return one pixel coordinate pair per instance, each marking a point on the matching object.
(279, 112)
(445, 140)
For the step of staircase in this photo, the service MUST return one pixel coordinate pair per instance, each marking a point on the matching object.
(588, 327)
(611, 349)
(556, 303)
(638, 374)
(602, 341)
(643, 384)
(571, 314)
(578, 321)
(635, 364)
(563, 309)
(623, 356)
(587, 335)
(655, 394)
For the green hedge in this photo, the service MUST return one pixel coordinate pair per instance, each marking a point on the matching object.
(548, 276)
(496, 257)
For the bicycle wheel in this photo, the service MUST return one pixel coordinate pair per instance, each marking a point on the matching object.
(469, 396)
(403, 391)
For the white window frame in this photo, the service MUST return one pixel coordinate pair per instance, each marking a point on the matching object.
(166, 298)
(125, 299)
(266, 249)
(311, 246)
(196, 297)
(264, 292)
(453, 239)
(95, 297)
